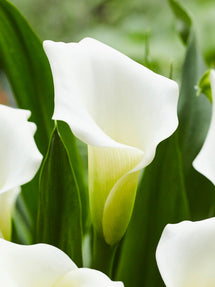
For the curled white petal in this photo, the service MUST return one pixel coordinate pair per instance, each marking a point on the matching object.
(19, 156)
(85, 277)
(45, 266)
(186, 254)
(35, 265)
(205, 160)
(108, 99)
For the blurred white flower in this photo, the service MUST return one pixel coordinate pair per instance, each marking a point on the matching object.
(45, 266)
(122, 110)
(19, 160)
(205, 160)
(186, 254)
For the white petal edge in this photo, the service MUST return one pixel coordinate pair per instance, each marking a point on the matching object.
(20, 158)
(109, 100)
(85, 277)
(33, 265)
(205, 160)
(186, 254)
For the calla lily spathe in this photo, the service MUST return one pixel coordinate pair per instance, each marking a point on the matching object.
(205, 160)
(186, 254)
(45, 266)
(19, 160)
(122, 110)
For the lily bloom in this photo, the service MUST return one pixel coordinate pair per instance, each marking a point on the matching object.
(19, 161)
(186, 254)
(121, 110)
(45, 266)
(205, 160)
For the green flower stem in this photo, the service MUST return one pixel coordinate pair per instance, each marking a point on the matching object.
(103, 255)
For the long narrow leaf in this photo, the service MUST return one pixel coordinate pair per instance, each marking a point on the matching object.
(70, 142)
(23, 60)
(59, 215)
(27, 68)
(194, 118)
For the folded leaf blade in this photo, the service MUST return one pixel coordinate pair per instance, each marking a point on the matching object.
(59, 215)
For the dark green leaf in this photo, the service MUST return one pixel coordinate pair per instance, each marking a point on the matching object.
(23, 60)
(27, 68)
(70, 142)
(184, 22)
(59, 215)
(194, 118)
(161, 199)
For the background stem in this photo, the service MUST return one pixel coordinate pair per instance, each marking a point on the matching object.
(103, 255)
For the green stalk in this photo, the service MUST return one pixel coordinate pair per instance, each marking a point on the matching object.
(103, 255)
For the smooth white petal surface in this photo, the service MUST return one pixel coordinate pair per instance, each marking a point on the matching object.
(7, 201)
(6, 280)
(186, 254)
(108, 99)
(19, 156)
(84, 277)
(205, 161)
(37, 265)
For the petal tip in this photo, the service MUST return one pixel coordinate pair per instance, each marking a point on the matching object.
(47, 43)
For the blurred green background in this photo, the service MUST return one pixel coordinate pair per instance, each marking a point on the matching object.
(144, 30)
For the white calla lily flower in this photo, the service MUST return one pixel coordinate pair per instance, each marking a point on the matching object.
(205, 160)
(19, 160)
(45, 266)
(186, 254)
(122, 110)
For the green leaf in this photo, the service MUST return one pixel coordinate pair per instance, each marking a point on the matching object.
(27, 68)
(70, 142)
(23, 60)
(194, 118)
(184, 22)
(59, 214)
(204, 86)
(161, 199)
